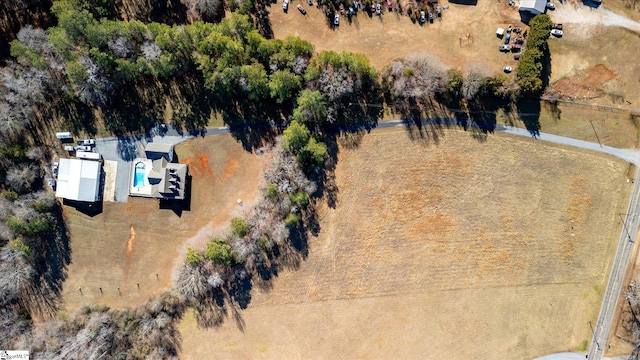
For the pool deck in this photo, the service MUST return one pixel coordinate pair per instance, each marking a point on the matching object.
(146, 189)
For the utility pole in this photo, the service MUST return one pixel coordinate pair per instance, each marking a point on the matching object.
(624, 225)
(594, 335)
(594, 131)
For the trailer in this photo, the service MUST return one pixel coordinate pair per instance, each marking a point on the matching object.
(88, 155)
(64, 135)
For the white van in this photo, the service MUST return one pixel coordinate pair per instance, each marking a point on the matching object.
(88, 155)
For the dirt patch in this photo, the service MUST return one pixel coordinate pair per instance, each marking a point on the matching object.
(589, 85)
(138, 243)
(452, 251)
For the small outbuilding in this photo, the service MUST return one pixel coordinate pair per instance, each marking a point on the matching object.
(500, 32)
(155, 151)
(533, 7)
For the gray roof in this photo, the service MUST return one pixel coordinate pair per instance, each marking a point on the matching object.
(155, 151)
(172, 179)
(79, 180)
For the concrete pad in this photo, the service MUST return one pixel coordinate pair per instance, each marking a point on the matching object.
(111, 170)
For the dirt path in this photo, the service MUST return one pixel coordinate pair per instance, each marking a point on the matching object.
(588, 16)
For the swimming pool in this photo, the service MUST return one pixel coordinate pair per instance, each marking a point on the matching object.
(138, 175)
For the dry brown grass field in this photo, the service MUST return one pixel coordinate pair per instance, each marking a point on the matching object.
(130, 243)
(448, 249)
(391, 36)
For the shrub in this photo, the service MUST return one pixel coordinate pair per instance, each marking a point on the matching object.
(295, 137)
(16, 225)
(219, 252)
(239, 227)
(300, 198)
(293, 219)
(194, 257)
(271, 191)
(17, 244)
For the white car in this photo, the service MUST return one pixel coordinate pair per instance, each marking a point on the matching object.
(336, 19)
(54, 169)
(551, 6)
(507, 69)
(89, 142)
(86, 148)
(556, 32)
(285, 5)
(52, 183)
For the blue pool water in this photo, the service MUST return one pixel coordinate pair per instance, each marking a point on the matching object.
(138, 175)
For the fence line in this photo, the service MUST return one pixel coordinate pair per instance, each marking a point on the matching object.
(598, 107)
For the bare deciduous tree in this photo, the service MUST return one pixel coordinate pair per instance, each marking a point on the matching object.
(205, 9)
(191, 283)
(121, 47)
(151, 51)
(416, 78)
(21, 177)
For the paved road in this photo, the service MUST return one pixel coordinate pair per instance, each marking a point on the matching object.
(616, 277)
(124, 149)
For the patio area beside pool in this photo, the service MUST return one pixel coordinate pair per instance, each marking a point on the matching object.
(140, 170)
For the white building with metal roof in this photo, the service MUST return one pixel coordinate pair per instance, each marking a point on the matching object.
(79, 180)
(533, 6)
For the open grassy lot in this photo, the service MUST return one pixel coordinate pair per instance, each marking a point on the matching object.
(130, 243)
(465, 35)
(448, 249)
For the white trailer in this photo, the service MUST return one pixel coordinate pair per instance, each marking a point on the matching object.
(88, 155)
(64, 135)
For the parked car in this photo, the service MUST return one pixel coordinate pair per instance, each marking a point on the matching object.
(509, 28)
(341, 9)
(430, 17)
(439, 11)
(516, 47)
(52, 183)
(507, 38)
(423, 17)
(557, 26)
(301, 9)
(505, 47)
(519, 40)
(285, 5)
(507, 69)
(556, 32)
(89, 142)
(336, 20)
(54, 169)
(310, 2)
(517, 30)
(378, 9)
(69, 148)
(86, 148)
(389, 5)
(351, 11)
(516, 56)
(551, 6)
(356, 5)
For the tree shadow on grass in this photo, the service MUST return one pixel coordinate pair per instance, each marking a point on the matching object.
(253, 125)
(529, 112)
(44, 298)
